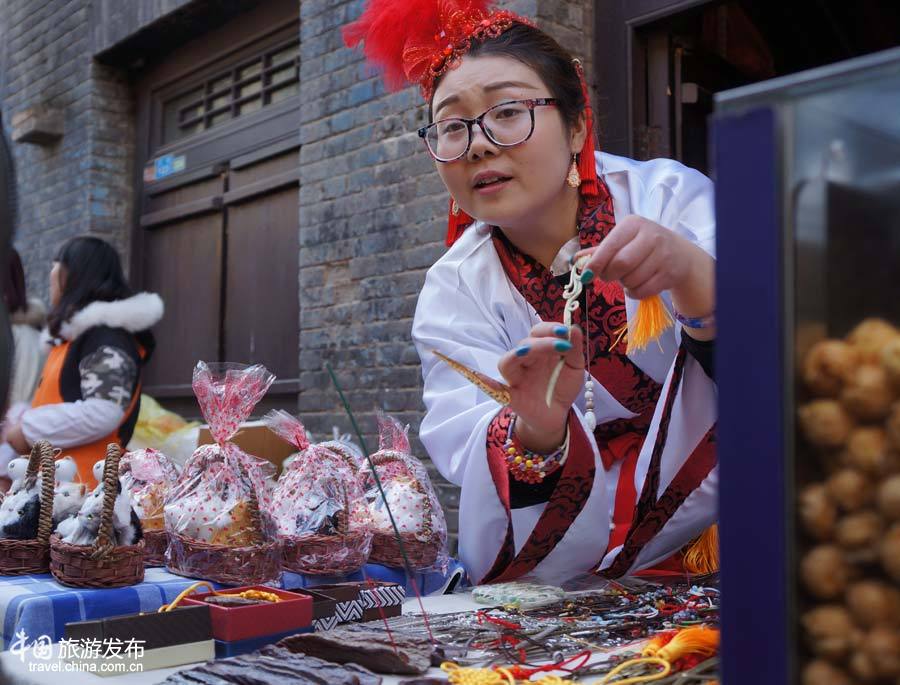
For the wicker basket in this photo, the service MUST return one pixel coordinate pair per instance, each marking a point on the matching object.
(328, 555)
(155, 544)
(422, 549)
(103, 564)
(251, 565)
(20, 557)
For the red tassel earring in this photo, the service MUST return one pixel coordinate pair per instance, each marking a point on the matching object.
(587, 165)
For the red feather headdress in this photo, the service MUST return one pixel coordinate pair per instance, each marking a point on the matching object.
(416, 41)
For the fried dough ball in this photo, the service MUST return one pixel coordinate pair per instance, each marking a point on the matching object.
(874, 603)
(818, 513)
(825, 423)
(820, 672)
(871, 336)
(825, 572)
(867, 450)
(878, 656)
(827, 365)
(830, 631)
(889, 498)
(868, 393)
(850, 489)
(860, 530)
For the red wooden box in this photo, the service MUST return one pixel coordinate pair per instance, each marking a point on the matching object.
(293, 612)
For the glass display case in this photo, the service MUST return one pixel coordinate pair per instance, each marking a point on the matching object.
(807, 172)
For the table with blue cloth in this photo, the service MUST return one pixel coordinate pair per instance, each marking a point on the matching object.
(38, 605)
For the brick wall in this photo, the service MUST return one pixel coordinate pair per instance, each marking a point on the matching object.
(372, 220)
(82, 183)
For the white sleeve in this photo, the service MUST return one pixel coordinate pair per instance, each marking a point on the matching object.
(683, 199)
(457, 413)
(69, 424)
(474, 319)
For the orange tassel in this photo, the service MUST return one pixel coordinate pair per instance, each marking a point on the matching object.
(658, 642)
(700, 640)
(703, 554)
(456, 224)
(649, 322)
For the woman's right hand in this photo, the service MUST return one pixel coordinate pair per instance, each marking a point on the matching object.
(527, 370)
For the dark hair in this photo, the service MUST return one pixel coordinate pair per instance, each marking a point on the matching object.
(14, 294)
(8, 208)
(93, 274)
(539, 51)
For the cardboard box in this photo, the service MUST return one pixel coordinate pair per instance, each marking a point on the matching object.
(167, 639)
(378, 599)
(164, 629)
(238, 647)
(381, 600)
(150, 660)
(324, 610)
(347, 596)
(254, 438)
(229, 624)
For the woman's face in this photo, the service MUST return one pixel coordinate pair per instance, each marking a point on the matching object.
(532, 174)
(57, 281)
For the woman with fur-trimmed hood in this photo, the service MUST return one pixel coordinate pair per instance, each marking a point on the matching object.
(99, 339)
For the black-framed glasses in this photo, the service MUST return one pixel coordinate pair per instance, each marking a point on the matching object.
(506, 125)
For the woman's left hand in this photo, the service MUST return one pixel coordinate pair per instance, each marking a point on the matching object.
(647, 259)
(16, 439)
(643, 256)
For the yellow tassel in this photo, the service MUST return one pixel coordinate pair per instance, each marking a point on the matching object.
(184, 593)
(458, 675)
(665, 665)
(650, 321)
(696, 640)
(703, 554)
(246, 594)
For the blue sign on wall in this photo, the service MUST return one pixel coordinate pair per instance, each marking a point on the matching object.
(164, 166)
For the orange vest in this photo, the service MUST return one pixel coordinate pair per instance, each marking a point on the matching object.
(48, 392)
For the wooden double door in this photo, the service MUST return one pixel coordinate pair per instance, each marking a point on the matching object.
(217, 234)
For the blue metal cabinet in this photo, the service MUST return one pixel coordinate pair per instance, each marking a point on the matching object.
(807, 172)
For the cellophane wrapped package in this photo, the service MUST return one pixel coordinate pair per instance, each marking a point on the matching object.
(318, 506)
(217, 515)
(410, 497)
(148, 475)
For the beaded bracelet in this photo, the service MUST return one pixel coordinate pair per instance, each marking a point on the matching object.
(531, 467)
(697, 322)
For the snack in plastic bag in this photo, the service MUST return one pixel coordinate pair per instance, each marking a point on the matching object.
(149, 475)
(217, 514)
(412, 501)
(318, 504)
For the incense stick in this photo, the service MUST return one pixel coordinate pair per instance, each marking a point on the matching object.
(406, 565)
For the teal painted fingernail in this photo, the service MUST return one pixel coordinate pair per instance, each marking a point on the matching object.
(561, 332)
(587, 276)
(562, 346)
(522, 351)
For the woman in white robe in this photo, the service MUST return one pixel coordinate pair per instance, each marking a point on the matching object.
(471, 310)
(630, 492)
